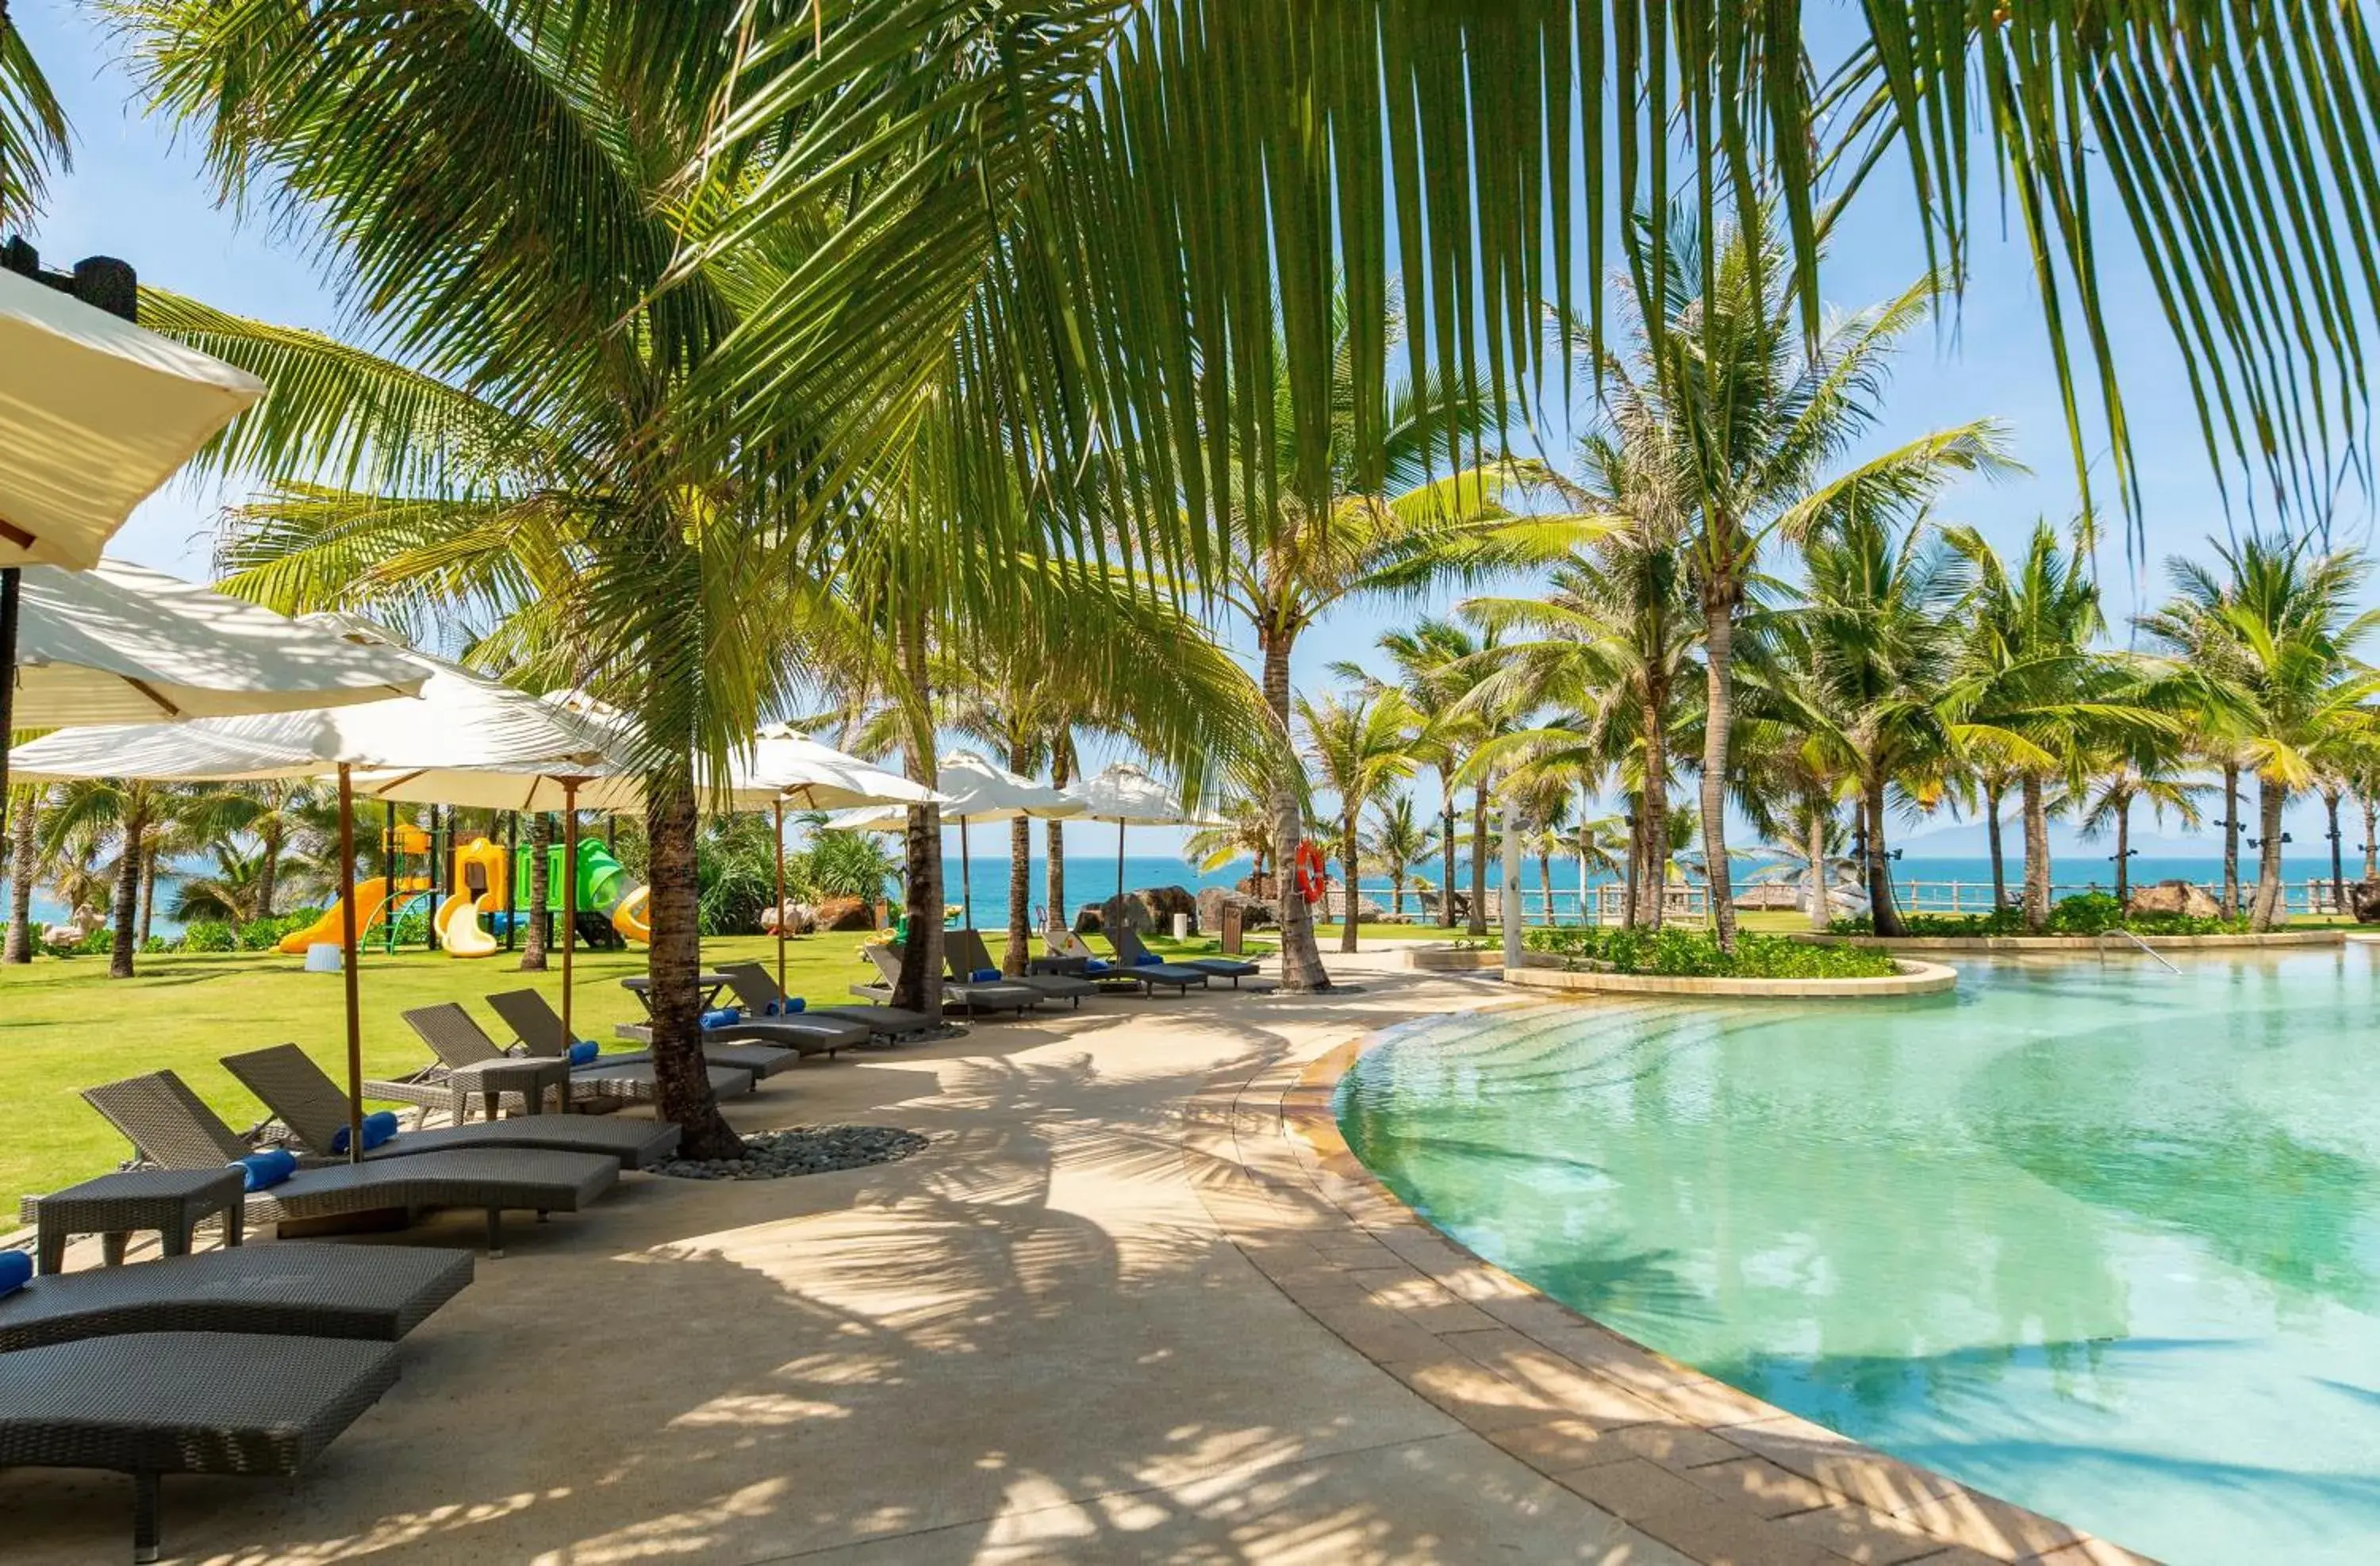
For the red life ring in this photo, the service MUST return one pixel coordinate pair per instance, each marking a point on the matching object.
(1313, 872)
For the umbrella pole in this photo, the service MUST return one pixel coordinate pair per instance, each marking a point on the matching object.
(1118, 867)
(966, 880)
(8, 580)
(569, 900)
(781, 898)
(348, 964)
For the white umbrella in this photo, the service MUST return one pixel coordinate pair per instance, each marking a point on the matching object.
(464, 732)
(122, 644)
(973, 790)
(95, 415)
(1128, 796)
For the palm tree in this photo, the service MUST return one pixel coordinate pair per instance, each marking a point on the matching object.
(1429, 658)
(232, 893)
(23, 856)
(2145, 768)
(2271, 645)
(1380, 516)
(1358, 743)
(1744, 412)
(1244, 831)
(2033, 691)
(105, 813)
(1399, 840)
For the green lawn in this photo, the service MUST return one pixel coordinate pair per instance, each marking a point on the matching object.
(66, 1025)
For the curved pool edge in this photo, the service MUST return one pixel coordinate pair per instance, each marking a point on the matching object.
(1707, 1469)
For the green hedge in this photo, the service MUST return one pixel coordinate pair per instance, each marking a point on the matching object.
(1694, 954)
(2084, 914)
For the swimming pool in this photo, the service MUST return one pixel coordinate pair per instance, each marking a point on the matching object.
(2101, 1239)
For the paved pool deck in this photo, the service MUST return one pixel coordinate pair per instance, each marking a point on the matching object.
(1134, 1302)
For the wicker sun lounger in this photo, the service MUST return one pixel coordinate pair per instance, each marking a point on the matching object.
(967, 954)
(1129, 948)
(174, 1129)
(459, 1043)
(305, 1101)
(152, 1403)
(539, 1027)
(295, 1289)
(971, 998)
(757, 989)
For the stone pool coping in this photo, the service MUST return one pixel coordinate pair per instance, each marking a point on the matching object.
(1712, 1472)
(1915, 978)
(2078, 943)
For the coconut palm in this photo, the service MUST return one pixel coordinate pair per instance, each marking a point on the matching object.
(230, 892)
(1359, 745)
(2142, 768)
(1399, 840)
(24, 856)
(2271, 644)
(108, 815)
(1429, 659)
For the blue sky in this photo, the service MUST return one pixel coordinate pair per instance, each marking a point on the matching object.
(134, 193)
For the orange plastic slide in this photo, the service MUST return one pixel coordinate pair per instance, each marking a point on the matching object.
(372, 899)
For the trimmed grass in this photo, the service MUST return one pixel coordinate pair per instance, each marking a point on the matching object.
(66, 1025)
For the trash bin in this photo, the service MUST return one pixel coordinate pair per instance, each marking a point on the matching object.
(322, 957)
(1180, 927)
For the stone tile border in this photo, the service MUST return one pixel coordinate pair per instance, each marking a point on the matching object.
(2078, 945)
(1711, 1471)
(1914, 978)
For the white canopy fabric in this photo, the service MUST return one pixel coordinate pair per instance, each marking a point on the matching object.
(974, 791)
(1126, 794)
(811, 776)
(122, 644)
(95, 415)
(482, 736)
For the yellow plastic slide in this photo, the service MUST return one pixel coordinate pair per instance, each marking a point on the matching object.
(458, 927)
(371, 903)
(629, 916)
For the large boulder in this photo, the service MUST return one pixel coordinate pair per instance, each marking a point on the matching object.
(2364, 899)
(1165, 902)
(1255, 913)
(1127, 911)
(2175, 897)
(845, 914)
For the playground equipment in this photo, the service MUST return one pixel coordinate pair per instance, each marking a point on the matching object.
(377, 900)
(631, 917)
(603, 894)
(477, 887)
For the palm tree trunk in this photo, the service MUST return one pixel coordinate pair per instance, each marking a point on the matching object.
(128, 896)
(1446, 852)
(1820, 916)
(2270, 797)
(268, 873)
(148, 892)
(1053, 836)
(2230, 839)
(1020, 897)
(920, 989)
(1992, 796)
(2371, 844)
(1477, 923)
(1545, 878)
(1397, 894)
(2036, 854)
(1718, 640)
(1887, 917)
(20, 880)
(540, 889)
(1653, 882)
(1347, 862)
(2124, 852)
(1301, 960)
(673, 962)
(1635, 864)
(2337, 870)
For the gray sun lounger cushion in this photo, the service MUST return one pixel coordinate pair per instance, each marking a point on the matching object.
(460, 1042)
(999, 996)
(174, 1129)
(151, 1404)
(539, 1027)
(303, 1098)
(293, 1290)
(755, 986)
(967, 954)
(762, 1057)
(1128, 948)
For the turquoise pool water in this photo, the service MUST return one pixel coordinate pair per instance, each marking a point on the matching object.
(2102, 1239)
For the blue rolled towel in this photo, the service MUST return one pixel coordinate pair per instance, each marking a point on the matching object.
(726, 1016)
(1147, 960)
(583, 1051)
(1095, 964)
(262, 1171)
(379, 1126)
(789, 1006)
(16, 1272)
(983, 976)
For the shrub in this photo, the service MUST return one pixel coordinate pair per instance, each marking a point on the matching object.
(100, 942)
(1694, 954)
(209, 935)
(263, 935)
(2084, 914)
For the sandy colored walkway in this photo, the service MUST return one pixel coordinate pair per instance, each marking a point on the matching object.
(1031, 1343)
